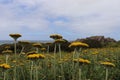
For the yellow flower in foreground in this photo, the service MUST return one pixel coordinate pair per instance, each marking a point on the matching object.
(36, 56)
(5, 66)
(109, 64)
(82, 61)
(78, 44)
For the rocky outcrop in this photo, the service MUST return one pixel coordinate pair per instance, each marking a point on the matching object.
(98, 38)
(97, 41)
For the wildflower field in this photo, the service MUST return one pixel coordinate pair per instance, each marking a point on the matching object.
(80, 64)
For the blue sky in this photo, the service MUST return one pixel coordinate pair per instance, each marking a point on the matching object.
(38, 19)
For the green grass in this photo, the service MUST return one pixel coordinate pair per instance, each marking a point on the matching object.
(52, 68)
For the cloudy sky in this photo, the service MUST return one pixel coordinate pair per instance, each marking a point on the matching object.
(37, 19)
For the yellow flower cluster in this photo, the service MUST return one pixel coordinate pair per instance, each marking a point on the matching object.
(36, 56)
(15, 35)
(56, 36)
(48, 43)
(38, 45)
(5, 66)
(108, 64)
(95, 53)
(7, 47)
(31, 52)
(82, 61)
(59, 41)
(7, 52)
(43, 49)
(78, 44)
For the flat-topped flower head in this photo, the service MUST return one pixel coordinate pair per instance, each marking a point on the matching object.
(31, 52)
(7, 52)
(78, 44)
(107, 64)
(38, 45)
(82, 61)
(5, 66)
(43, 49)
(48, 43)
(7, 47)
(59, 41)
(56, 36)
(35, 56)
(15, 36)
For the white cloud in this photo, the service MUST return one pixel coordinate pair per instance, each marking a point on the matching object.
(84, 16)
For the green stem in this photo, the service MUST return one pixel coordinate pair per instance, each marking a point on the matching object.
(4, 75)
(73, 56)
(60, 51)
(55, 50)
(7, 59)
(31, 70)
(36, 72)
(80, 74)
(55, 62)
(15, 59)
(106, 77)
(22, 49)
(48, 49)
(37, 50)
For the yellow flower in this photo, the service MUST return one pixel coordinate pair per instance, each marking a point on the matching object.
(59, 41)
(43, 49)
(14, 61)
(35, 56)
(7, 52)
(56, 36)
(38, 45)
(108, 64)
(7, 47)
(78, 44)
(48, 43)
(5, 66)
(15, 36)
(82, 61)
(95, 53)
(31, 52)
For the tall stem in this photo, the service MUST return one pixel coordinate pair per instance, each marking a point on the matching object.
(15, 47)
(22, 49)
(4, 75)
(60, 51)
(6, 59)
(31, 70)
(36, 72)
(37, 50)
(106, 77)
(48, 49)
(15, 59)
(55, 62)
(79, 73)
(73, 56)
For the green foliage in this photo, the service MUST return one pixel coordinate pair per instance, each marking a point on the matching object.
(64, 69)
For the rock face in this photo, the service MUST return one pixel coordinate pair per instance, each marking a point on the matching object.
(98, 38)
(96, 41)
